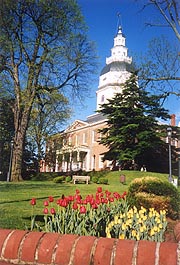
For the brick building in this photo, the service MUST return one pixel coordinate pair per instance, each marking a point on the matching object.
(78, 147)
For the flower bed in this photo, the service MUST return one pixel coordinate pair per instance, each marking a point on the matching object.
(104, 213)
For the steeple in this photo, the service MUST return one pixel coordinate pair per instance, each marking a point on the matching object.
(116, 71)
(119, 22)
(119, 52)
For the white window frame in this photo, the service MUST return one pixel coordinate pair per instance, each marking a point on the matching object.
(85, 138)
(101, 163)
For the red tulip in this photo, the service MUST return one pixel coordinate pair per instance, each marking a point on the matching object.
(59, 201)
(77, 191)
(51, 199)
(94, 206)
(124, 195)
(98, 201)
(75, 206)
(77, 197)
(92, 201)
(82, 209)
(116, 195)
(46, 203)
(108, 193)
(33, 201)
(104, 200)
(99, 189)
(53, 211)
(84, 201)
(97, 196)
(45, 211)
(79, 201)
(64, 203)
(89, 198)
(71, 198)
(111, 199)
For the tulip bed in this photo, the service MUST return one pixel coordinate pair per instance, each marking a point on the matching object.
(104, 214)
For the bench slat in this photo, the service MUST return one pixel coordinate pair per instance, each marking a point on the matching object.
(81, 178)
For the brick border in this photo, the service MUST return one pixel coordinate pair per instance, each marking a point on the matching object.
(25, 247)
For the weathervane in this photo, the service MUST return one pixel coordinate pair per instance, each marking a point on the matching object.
(119, 21)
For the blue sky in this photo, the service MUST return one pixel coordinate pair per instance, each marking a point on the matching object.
(102, 20)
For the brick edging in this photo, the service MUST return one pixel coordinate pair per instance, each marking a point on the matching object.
(25, 247)
(177, 232)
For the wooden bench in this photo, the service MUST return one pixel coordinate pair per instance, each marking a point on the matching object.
(81, 178)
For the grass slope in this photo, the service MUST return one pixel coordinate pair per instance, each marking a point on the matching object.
(15, 208)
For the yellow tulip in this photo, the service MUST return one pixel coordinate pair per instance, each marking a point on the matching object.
(150, 215)
(122, 236)
(144, 218)
(123, 226)
(157, 220)
(152, 232)
(155, 228)
(108, 235)
(137, 237)
(135, 209)
(133, 233)
(141, 229)
(160, 226)
(116, 219)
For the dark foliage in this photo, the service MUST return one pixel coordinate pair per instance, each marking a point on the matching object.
(133, 134)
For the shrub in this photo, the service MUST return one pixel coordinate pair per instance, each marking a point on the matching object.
(95, 179)
(44, 176)
(68, 179)
(153, 192)
(98, 174)
(103, 181)
(59, 179)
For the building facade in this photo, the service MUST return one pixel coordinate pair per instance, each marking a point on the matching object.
(78, 147)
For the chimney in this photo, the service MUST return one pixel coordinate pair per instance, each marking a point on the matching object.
(173, 120)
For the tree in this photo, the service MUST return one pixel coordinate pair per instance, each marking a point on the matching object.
(169, 11)
(133, 134)
(30, 164)
(49, 112)
(6, 133)
(160, 66)
(43, 45)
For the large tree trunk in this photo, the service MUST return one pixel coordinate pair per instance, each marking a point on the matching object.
(16, 169)
(19, 139)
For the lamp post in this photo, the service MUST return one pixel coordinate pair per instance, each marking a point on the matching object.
(94, 162)
(179, 169)
(169, 134)
(10, 161)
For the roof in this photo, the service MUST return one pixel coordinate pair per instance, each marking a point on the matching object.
(117, 66)
(95, 118)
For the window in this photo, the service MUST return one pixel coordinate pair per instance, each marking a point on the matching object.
(85, 138)
(77, 140)
(101, 164)
(102, 98)
(99, 136)
(69, 140)
(94, 136)
(64, 141)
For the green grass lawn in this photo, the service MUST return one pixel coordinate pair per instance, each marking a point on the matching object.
(15, 198)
